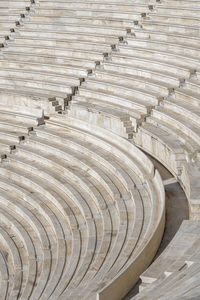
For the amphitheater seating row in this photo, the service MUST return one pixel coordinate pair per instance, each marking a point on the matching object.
(11, 15)
(68, 40)
(81, 207)
(171, 132)
(155, 74)
(76, 211)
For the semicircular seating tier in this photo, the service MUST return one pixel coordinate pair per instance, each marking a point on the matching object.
(76, 210)
(58, 44)
(148, 91)
(83, 86)
(12, 15)
(158, 65)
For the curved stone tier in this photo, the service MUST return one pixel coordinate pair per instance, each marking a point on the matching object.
(76, 210)
(154, 73)
(58, 44)
(12, 14)
(148, 91)
(83, 86)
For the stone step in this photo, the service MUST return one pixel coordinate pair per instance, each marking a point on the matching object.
(4, 33)
(165, 46)
(74, 28)
(141, 72)
(161, 56)
(192, 86)
(29, 85)
(186, 96)
(22, 129)
(170, 19)
(185, 109)
(183, 3)
(108, 108)
(15, 137)
(126, 103)
(188, 145)
(98, 21)
(53, 69)
(150, 97)
(129, 80)
(28, 99)
(190, 133)
(6, 24)
(157, 141)
(154, 65)
(77, 44)
(56, 35)
(37, 75)
(107, 117)
(167, 37)
(21, 117)
(64, 52)
(178, 11)
(13, 11)
(90, 6)
(60, 16)
(17, 4)
(50, 59)
(191, 31)
(10, 17)
(6, 147)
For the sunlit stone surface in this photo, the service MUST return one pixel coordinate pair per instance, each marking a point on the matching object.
(85, 88)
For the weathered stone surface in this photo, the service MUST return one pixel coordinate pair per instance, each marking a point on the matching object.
(83, 86)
